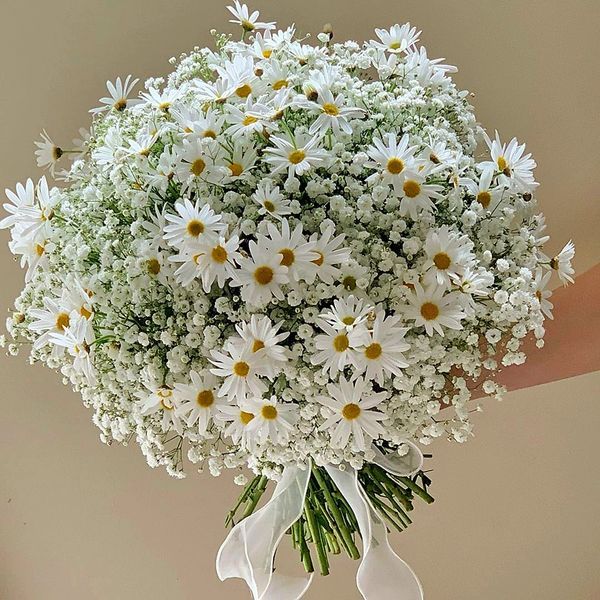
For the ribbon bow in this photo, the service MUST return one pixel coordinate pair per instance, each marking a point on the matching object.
(248, 552)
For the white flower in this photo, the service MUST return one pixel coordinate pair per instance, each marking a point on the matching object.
(119, 91)
(237, 420)
(22, 199)
(485, 194)
(209, 263)
(241, 371)
(261, 275)
(193, 225)
(204, 124)
(352, 404)
(382, 353)
(197, 402)
(510, 160)
(273, 420)
(296, 253)
(561, 263)
(54, 317)
(399, 38)
(392, 159)
(271, 200)
(196, 161)
(542, 293)
(47, 153)
(161, 100)
(433, 310)
(249, 22)
(347, 314)
(297, 156)
(448, 255)
(77, 339)
(416, 194)
(332, 113)
(159, 400)
(239, 77)
(261, 338)
(36, 219)
(245, 120)
(329, 254)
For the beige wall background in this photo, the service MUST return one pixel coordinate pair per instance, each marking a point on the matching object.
(516, 511)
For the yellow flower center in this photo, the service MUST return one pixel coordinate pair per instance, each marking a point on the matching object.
(341, 343)
(164, 394)
(39, 249)
(429, 311)
(258, 345)
(249, 120)
(236, 169)
(197, 167)
(247, 25)
(85, 313)
(484, 198)
(411, 188)
(554, 264)
(442, 261)
(395, 166)
(195, 228)
(351, 411)
(268, 412)
(246, 417)
(330, 109)
(205, 398)
(349, 320)
(243, 91)
(241, 368)
(219, 254)
(264, 275)
(395, 46)
(373, 351)
(280, 84)
(296, 156)
(269, 206)
(502, 164)
(349, 283)
(267, 53)
(120, 105)
(62, 321)
(287, 257)
(319, 261)
(153, 266)
(209, 133)
(538, 295)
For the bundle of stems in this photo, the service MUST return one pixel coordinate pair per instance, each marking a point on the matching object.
(328, 524)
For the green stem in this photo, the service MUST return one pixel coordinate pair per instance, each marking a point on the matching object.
(410, 484)
(315, 534)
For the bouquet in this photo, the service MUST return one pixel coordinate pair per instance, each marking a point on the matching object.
(284, 259)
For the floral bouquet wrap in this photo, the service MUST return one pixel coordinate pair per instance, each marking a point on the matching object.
(284, 260)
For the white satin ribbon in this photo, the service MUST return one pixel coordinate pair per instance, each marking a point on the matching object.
(248, 552)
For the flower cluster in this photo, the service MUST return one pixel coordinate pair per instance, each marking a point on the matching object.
(282, 252)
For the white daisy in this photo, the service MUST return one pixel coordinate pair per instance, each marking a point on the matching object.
(239, 164)
(204, 124)
(119, 91)
(77, 339)
(399, 38)
(248, 21)
(160, 400)
(295, 252)
(241, 372)
(336, 349)
(209, 263)
(416, 195)
(425, 71)
(272, 202)
(485, 194)
(193, 225)
(473, 283)
(542, 293)
(246, 119)
(347, 314)
(510, 160)
(297, 156)
(197, 402)
(332, 113)
(330, 253)
(431, 309)
(261, 338)
(352, 404)
(260, 275)
(34, 252)
(561, 263)
(196, 160)
(214, 91)
(161, 100)
(238, 420)
(448, 255)
(36, 219)
(54, 317)
(240, 77)
(23, 197)
(47, 153)
(273, 420)
(392, 159)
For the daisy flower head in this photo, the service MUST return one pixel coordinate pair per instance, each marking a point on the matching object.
(448, 255)
(382, 353)
(77, 339)
(195, 160)
(117, 100)
(515, 167)
(399, 38)
(240, 371)
(426, 71)
(542, 292)
(433, 309)
(192, 226)
(332, 113)
(297, 156)
(271, 201)
(273, 420)
(416, 195)
(392, 159)
(352, 404)
(261, 338)
(248, 21)
(296, 253)
(203, 124)
(247, 119)
(160, 400)
(54, 317)
(237, 420)
(239, 164)
(47, 153)
(197, 401)
(33, 251)
(486, 195)
(23, 197)
(209, 263)
(561, 263)
(260, 275)
(330, 254)
(347, 313)
(239, 77)
(162, 101)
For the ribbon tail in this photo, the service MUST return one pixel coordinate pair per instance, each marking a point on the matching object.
(382, 574)
(403, 466)
(248, 552)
